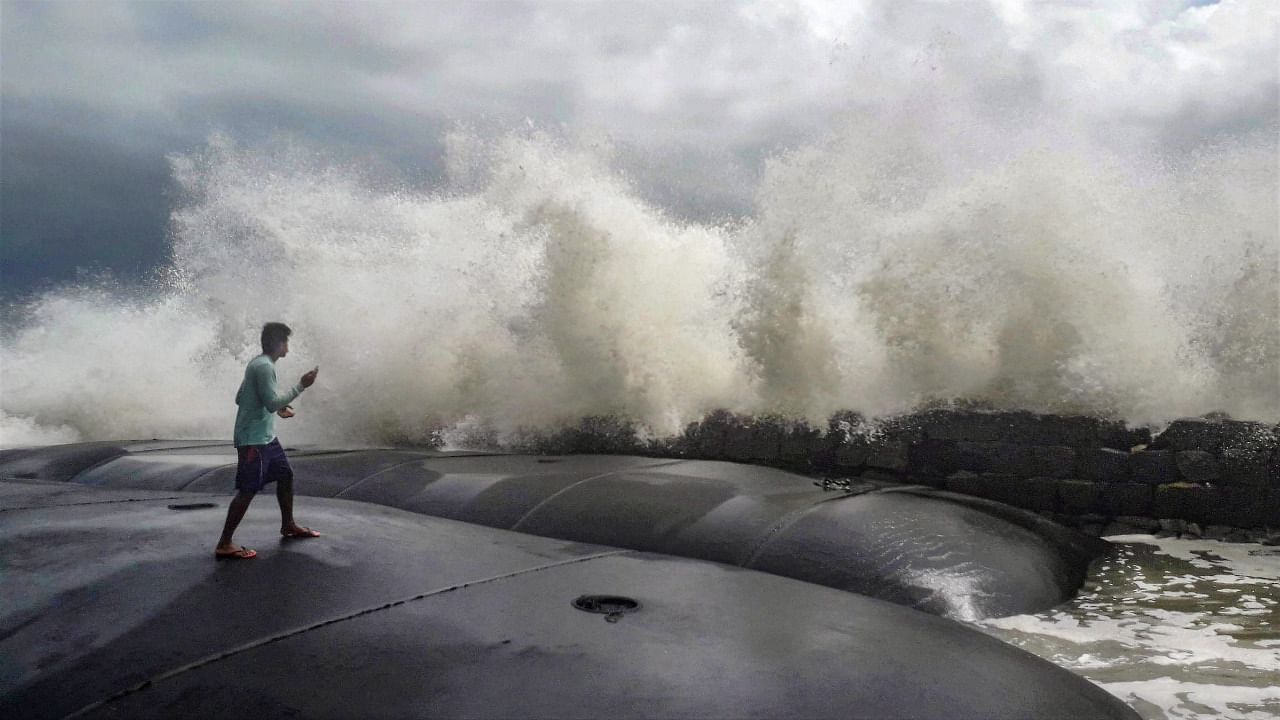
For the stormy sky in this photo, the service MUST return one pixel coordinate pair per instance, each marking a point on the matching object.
(692, 96)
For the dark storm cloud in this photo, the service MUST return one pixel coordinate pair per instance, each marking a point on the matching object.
(87, 191)
(693, 96)
(76, 195)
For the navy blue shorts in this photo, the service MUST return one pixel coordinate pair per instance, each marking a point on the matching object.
(261, 464)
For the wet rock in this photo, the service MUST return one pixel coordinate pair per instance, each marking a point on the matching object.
(1173, 525)
(1145, 524)
(1025, 428)
(752, 441)
(604, 435)
(1191, 434)
(1006, 489)
(966, 482)
(907, 429)
(1127, 498)
(1239, 506)
(1213, 435)
(601, 435)
(800, 443)
(1118, 436)
(1118, 528)
(1193, 529)
(1244, 467)
(678, 446)
(737, 443)
(1197, 466)
(968, 425)
(1239, 535)
(1154, 467)
(1182, 500)
(889, 455)
(1068, 430)
(1084, 432)
(766, 442)
(843, 444)
(1009, 459)
(1094, 529)
(934, 457)
(707, 438)
(1076, 497)
(1038, 493)
(844, 425)
(880, 476)
(1030, 494)
(1027, 493)
(937, 481)
(1102, 464)
(1251, 436)
(852, 453)
(1271, 510)
(1216, 532)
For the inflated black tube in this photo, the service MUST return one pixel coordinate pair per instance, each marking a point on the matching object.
(114, 608)
(936, 551)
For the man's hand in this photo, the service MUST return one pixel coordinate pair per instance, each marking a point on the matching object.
(310, 377)
(285, 412)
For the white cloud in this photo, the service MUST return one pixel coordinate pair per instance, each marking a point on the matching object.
(707, 69)
(725, 84)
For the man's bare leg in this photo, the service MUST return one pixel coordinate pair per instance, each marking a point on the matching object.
(289, 528)
(284, 495)
(235, 513)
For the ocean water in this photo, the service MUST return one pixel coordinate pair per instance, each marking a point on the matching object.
(1177, 628)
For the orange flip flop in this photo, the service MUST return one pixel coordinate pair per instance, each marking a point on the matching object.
(242, 553)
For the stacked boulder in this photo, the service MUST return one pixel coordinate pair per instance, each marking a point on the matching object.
(1212, 477)
(1227, 477)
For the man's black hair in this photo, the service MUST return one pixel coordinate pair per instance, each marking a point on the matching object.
(274, 333)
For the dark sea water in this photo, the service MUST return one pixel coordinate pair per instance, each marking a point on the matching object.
(1177, 628)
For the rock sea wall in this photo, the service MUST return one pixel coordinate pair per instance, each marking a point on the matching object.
(1209, 477)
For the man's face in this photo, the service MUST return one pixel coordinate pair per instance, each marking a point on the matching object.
(282, 348)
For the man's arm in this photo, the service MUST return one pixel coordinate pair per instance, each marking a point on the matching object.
(265, 383)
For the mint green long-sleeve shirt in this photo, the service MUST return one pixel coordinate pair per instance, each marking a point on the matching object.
(258, 401)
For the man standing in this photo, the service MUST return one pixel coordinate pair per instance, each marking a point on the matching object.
(261, 459)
